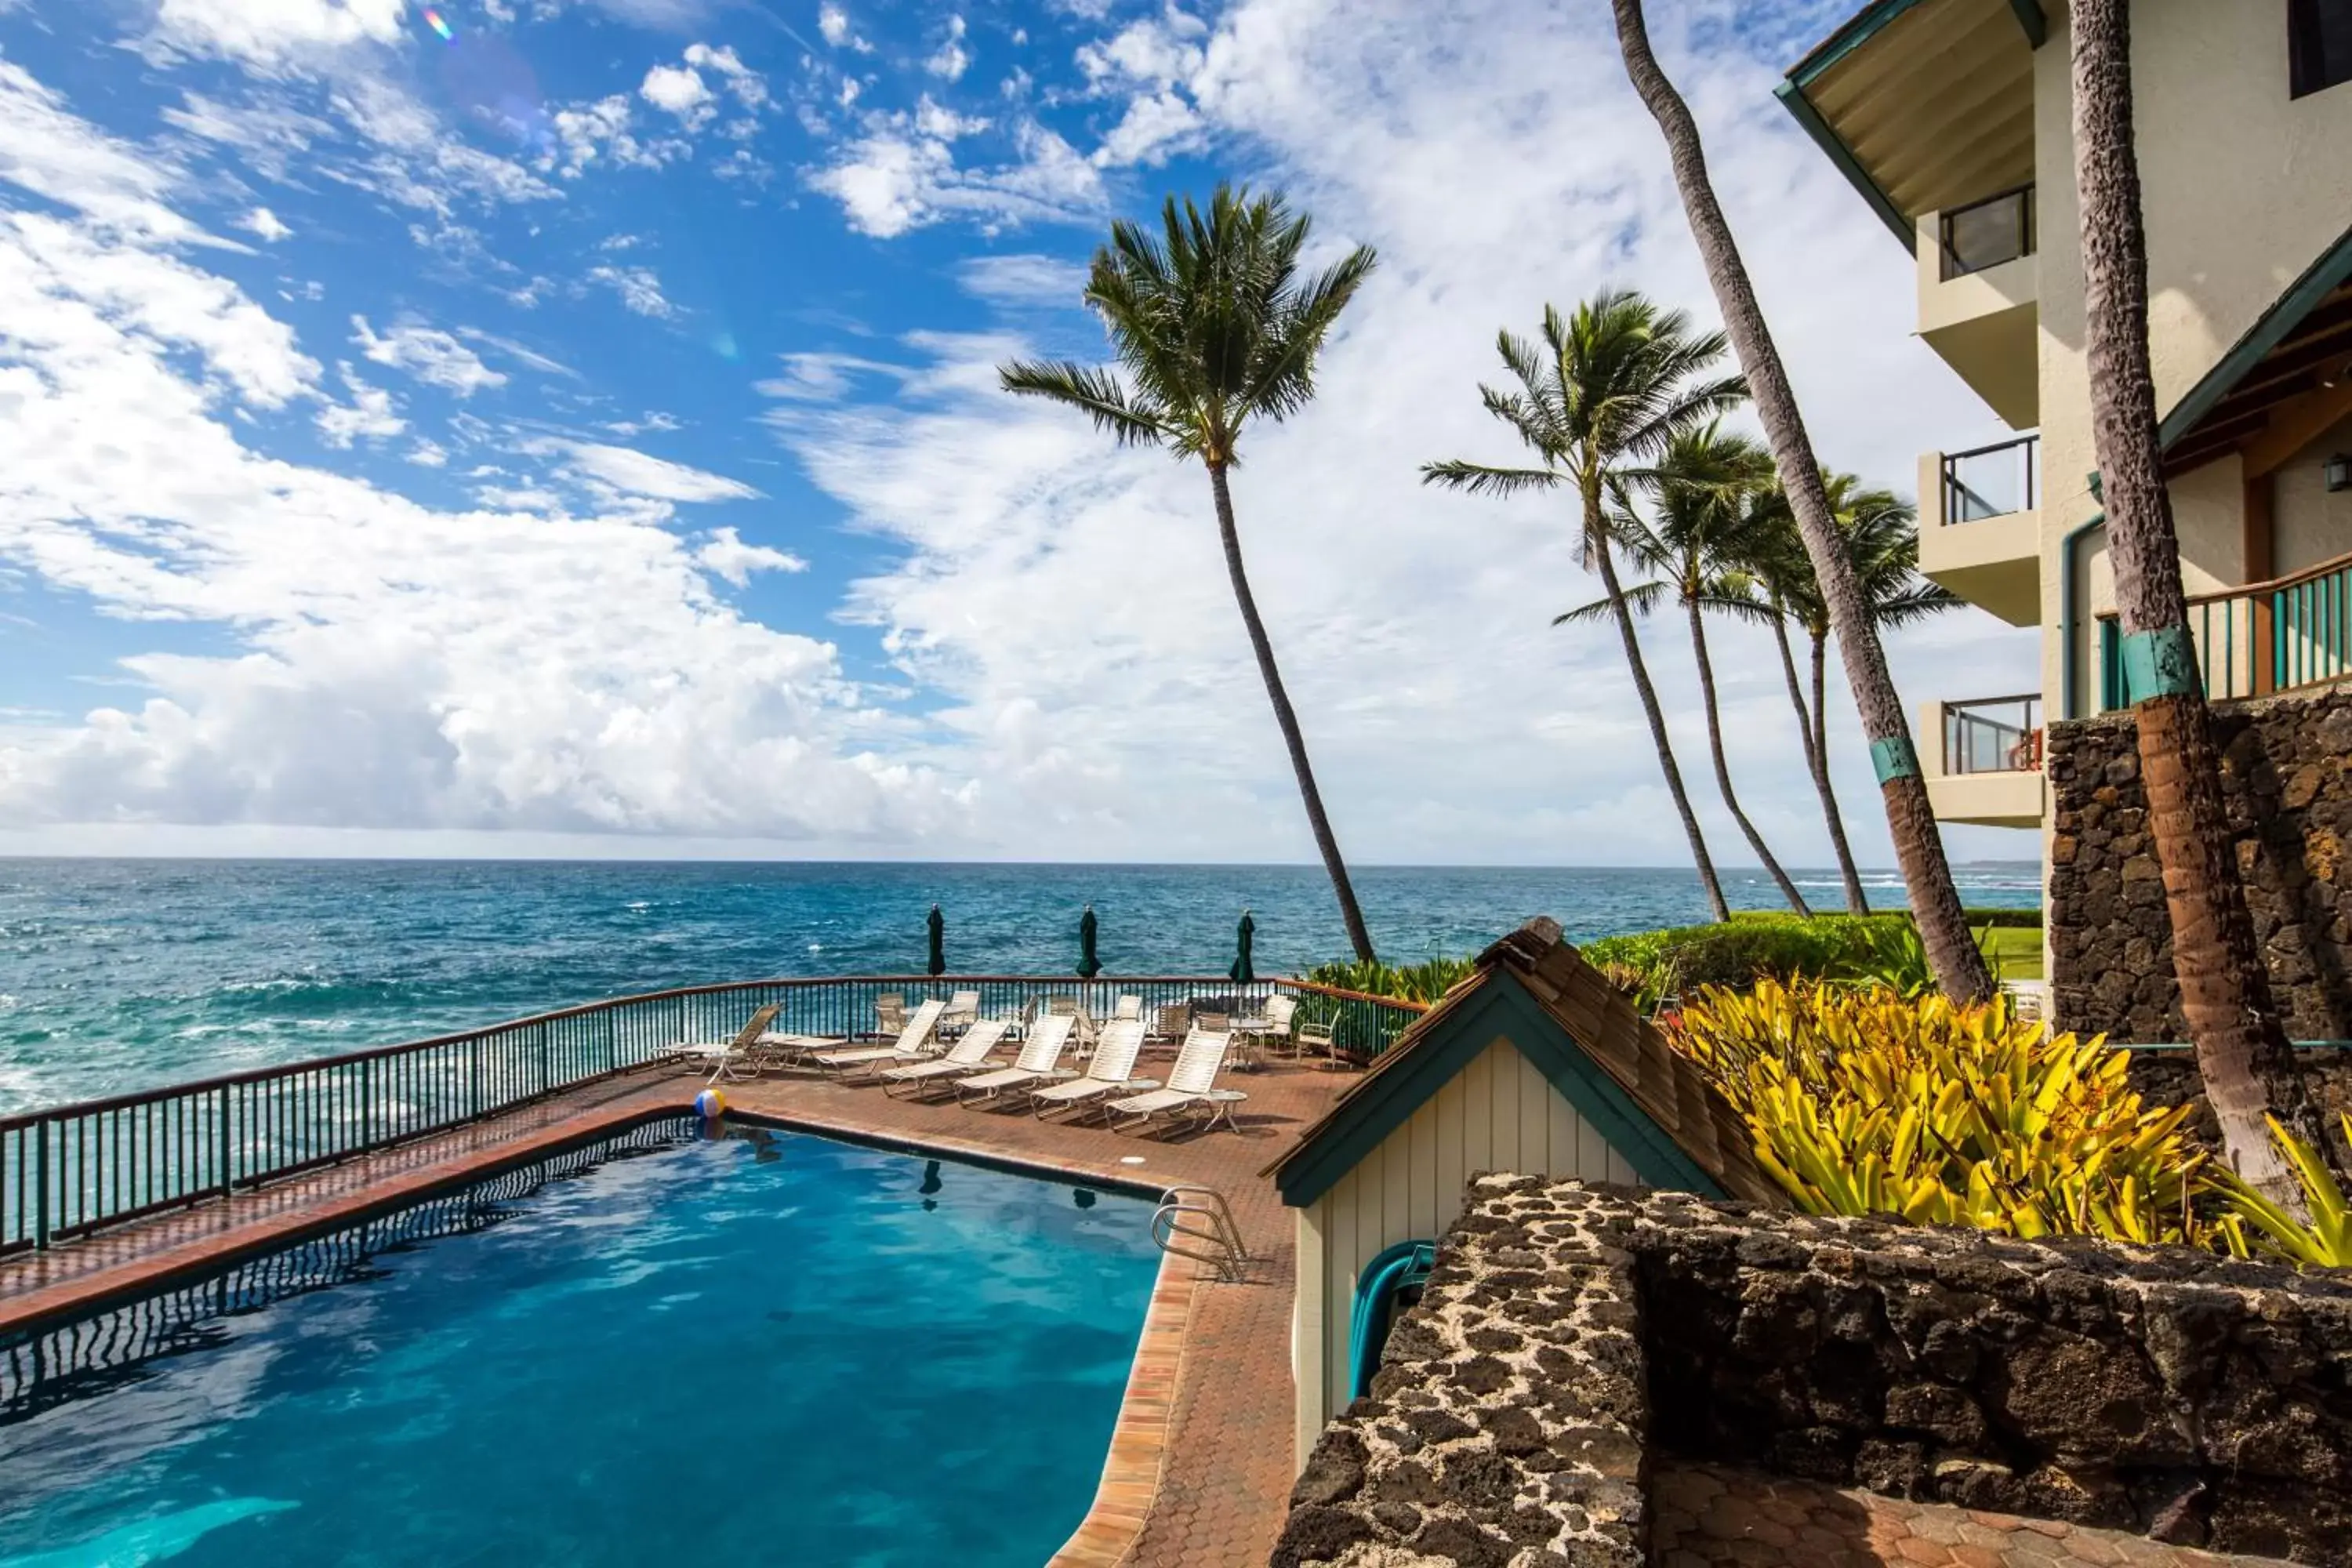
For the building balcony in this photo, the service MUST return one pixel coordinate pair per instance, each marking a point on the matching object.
(1979, 305)
(1980, 534)
(1983, 761)
(2258, 640)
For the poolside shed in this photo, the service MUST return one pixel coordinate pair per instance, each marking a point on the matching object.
(1534, 1065)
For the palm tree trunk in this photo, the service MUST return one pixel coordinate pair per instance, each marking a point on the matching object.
(1284, 716)
(1935, 902)
(1595, 530)
(1818, 766)
(1722, 767)
(2249, 1067)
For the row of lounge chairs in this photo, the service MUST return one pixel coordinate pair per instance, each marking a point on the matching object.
(920, 1063)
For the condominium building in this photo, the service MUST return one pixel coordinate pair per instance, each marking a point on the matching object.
(1953, 120)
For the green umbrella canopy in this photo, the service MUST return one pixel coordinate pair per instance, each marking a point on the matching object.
(1241, 974)
(938, 924)
(1089, 964)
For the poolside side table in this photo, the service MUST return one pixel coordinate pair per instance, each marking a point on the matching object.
(1224, 1100)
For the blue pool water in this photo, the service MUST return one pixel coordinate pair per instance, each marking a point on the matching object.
(769, 1349)
(120, 974)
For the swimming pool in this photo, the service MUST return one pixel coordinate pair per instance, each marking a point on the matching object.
(765, 1348)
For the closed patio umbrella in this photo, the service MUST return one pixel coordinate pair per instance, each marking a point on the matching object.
(1241, 974)
(1089, 964)
(938, 959)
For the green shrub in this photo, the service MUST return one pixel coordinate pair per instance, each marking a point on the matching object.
(1748, 948)
(2008, 919)
(1411, 981)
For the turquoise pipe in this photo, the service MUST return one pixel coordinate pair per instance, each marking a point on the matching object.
(1393, 1269)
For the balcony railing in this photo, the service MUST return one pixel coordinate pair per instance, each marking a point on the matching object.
(2292, 631)
(74, 1169)
(1993, 735)
(1987, 233)
(1999, 480)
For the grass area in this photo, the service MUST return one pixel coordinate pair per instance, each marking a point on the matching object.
(2014, 952)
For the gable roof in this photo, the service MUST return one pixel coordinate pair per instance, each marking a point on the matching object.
(1655, 1108)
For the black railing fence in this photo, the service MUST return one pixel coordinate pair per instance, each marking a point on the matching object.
(43, 1367)
(74, 1169)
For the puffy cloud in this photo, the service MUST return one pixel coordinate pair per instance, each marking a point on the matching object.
(726, 555)
(370, 414)
(678, 89)
(269, 34)
(902, 175)
(53, 153)
(951, 59)
(267, 224)
(833, 26)
(428, 353)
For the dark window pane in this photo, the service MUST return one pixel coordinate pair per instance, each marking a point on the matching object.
(2319, 44)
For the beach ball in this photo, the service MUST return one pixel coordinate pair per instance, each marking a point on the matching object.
(710, 1105)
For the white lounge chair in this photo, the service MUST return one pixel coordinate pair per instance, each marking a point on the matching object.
(734, 1060)
(1127, 1008)
(917, 1042)
(1106, 1074)
(890, 1013)
(1039, 1063)
(969, 1055)
(1192, 1093)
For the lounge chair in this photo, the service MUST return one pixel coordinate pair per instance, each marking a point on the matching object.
(917, 1042)
(890, 1013)
(969, 1055)
(1107, 1072)
(1192, 1093)
(962, 1011)
(1038, 1063)
(1127, 1008)
(734, 1060)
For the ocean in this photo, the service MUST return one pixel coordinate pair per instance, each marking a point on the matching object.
(119, 974)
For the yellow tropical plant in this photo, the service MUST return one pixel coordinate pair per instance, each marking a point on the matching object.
(1866, 1101)
(2251, 1223)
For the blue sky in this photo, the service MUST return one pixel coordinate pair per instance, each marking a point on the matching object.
(567, 426)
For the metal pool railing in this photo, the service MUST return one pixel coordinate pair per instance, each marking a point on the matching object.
(2262, 638)
(73, 1169)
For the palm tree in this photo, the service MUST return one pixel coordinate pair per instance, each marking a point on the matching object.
(1698, 491)
(1215, 328)
(1881, 541)
(1612, 387)
(2248, 1066)
(1960, 967)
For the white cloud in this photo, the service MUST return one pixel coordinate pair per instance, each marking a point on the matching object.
(390, 666)
(428, 353)
(603, 132)
(269, 34)
(950, 60)
(637, 473)
(52, 153)
(680, 89)
(748, 88)
(825, 377)
(833, 26)
(1022, 280)
(724, 554)
(902, 175)
(370, 414)
(528, 357)
(1448, 720)
(638, 287)
(428, 454)
(265, 222)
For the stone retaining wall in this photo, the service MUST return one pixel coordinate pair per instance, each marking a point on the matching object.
(2290, 794)
(1570, 1332)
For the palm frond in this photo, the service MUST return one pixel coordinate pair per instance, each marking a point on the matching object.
(1098, 392)
(1479, 480)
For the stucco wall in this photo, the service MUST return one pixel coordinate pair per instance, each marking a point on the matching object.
(2243, 188)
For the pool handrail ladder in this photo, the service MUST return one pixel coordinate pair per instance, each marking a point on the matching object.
(69, 1170)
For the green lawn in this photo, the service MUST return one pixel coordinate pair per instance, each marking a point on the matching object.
(2014, 952)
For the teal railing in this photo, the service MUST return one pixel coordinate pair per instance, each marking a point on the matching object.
(70, 1170)
(2262, 638)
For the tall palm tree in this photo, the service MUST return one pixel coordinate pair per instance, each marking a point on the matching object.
(1960, 967)
(1215, 327)
(1610, 388)
(1698, 492)
(2249, 1067)
(1881, 541)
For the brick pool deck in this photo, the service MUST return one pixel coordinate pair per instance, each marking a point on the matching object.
(1199, 1471)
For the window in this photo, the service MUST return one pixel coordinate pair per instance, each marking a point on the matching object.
(2319, 44)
